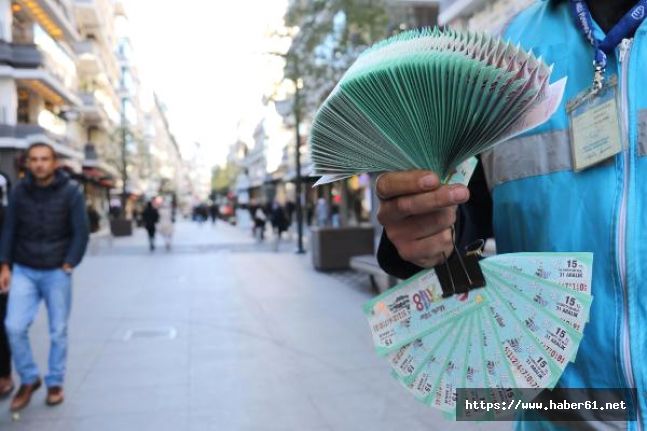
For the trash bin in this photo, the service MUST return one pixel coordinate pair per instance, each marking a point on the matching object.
(332, 248)
(121, 227)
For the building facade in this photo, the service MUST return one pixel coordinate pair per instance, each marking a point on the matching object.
(39, 98)
(68, 78)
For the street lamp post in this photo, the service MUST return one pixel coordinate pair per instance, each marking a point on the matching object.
(298, 179)
(297, 150)
(124, 144)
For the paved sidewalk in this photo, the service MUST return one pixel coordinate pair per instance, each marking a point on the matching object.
(219, 334)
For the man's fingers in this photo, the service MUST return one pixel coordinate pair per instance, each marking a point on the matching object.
(422, 226)
(398, 209)
(427, 252)
(394, 184)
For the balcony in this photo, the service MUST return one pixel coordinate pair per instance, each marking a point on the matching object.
(96, 110)
(31, 67)
(88, 14)
(92, 112)
(92, 62)
(89, 58)
(54, 16)
(95, 168)
(23, 135)
(20, 56)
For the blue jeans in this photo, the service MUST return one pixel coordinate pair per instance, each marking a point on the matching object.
(28, 287)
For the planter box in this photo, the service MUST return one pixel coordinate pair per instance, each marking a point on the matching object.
(121, 227)
(332, 248)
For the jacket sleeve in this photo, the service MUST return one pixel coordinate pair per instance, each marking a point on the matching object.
(80, 229)
(8, 231)
(473, 222)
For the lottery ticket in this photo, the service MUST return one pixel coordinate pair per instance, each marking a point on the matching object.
(569, 305)
(520, 331)
(408, 361)
(443, 394)
(474, 379)
(571, 270)
(498, 375)
(423, 382)
(559, 339)
(530, 365)
(412, 310)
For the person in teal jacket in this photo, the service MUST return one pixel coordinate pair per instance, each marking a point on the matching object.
(539, 202)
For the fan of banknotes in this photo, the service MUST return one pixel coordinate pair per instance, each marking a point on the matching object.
(429, 99)
(519, 331)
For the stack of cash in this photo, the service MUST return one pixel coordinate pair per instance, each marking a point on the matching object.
(519, 331)
(429, 99)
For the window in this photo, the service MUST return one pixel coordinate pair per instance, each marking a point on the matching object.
(23, 105)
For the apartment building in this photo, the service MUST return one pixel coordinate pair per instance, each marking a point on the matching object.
(99, 81)
(68, 78)
(39, 100)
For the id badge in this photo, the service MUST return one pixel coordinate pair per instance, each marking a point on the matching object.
(594, 126)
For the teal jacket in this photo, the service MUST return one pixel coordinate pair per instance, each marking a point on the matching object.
(541, 204)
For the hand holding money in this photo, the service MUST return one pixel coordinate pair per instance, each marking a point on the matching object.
(417, 213)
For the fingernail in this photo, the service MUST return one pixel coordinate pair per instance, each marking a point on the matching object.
(458, 194)
(428, 181)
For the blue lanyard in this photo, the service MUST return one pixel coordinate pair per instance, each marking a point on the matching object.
(625, 28)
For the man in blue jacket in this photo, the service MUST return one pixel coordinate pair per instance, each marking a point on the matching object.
(532, 198)
(44, 237)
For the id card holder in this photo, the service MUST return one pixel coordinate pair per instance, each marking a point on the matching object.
(594, 126)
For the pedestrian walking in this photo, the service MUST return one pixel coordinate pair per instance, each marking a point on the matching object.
(279, 221)
(259, 223)
(322, 212)
(44, 237)
(213, 212)
(166, 224)
(335, 215)
(93, 218)
(290, 208)
(6, 382)
(309, 213)
(150, 217)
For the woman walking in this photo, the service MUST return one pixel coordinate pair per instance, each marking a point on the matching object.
(166, 224)
(279, 222)
(151, 217)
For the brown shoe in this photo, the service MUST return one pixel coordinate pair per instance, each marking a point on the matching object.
(54, 396)
(6, 387)
(23, 396)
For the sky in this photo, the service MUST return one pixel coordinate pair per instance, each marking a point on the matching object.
(207, 61)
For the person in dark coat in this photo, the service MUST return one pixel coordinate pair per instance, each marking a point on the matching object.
(44, 237)
(260, 219)
(214, 212)
(279, 219)
(93, 218)
(150, 216)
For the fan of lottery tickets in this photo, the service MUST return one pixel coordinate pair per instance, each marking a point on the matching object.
(519, 331)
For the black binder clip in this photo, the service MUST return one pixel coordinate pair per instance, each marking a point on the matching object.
(461, 272)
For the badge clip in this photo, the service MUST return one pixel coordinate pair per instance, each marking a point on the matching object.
(461, 272)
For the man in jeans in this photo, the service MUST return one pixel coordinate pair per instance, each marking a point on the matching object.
(44, 237)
